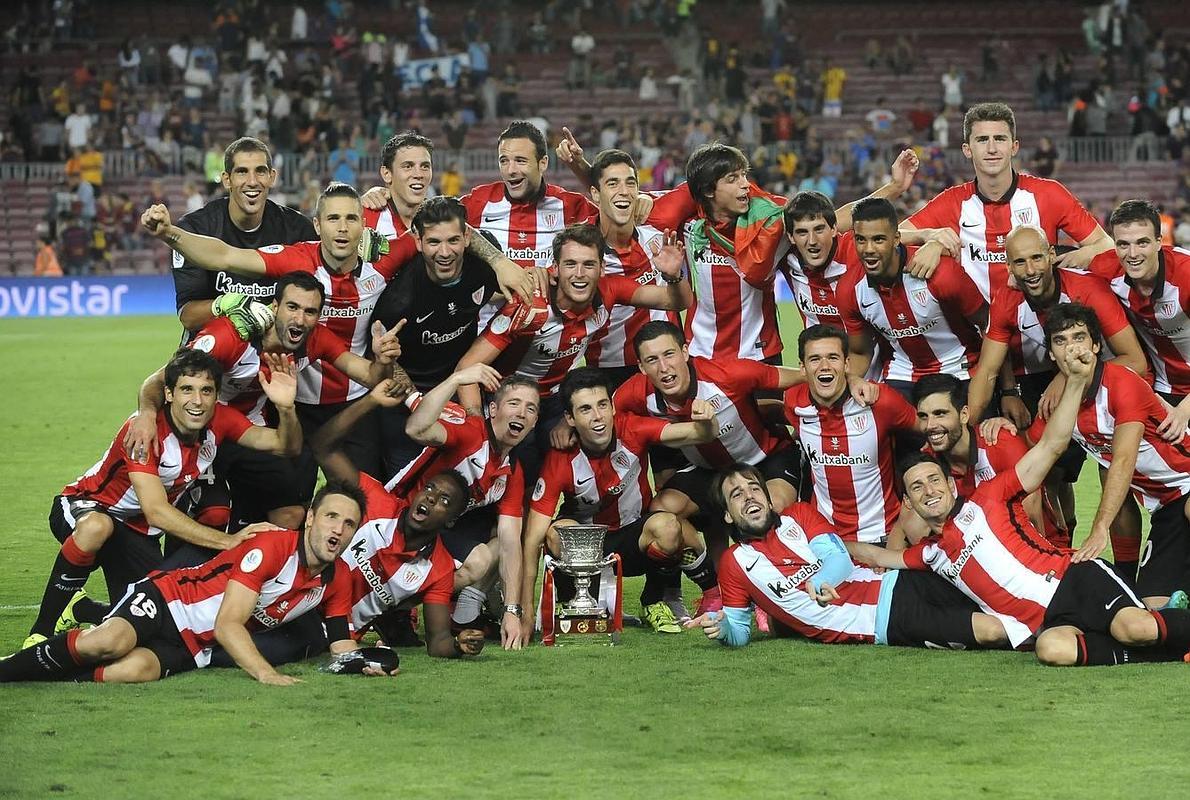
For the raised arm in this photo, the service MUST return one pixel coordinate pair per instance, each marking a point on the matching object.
(475, 364)
(281, 389)
(206, 252)
(1033, 467)
(512, 277)
(676, 295)
(904, 170)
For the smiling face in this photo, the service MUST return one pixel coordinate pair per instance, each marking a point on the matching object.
(667, 365)
(730, 198)
(991, 148)
(409, 177)
(520, 168)
(514, 415)
(442, 246)
(592, 416)
(749, 508)
(825, 368)
(340, 224)
(876, 243)
(248, 183)
(1138, 248)
(577, 275)
(616, 194)
(813, 239)
(436, 506)
(929, 492)
(1030, 260)
(941, 422)
(192, 402)
(297, 314)
(329, 528)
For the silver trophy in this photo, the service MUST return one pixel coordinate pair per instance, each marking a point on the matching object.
(582, 558)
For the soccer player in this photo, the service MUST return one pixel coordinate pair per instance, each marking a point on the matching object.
(111, 516)
(604, 479)
(440, 294)
(928, 326)
(245, 218)
(973, 219)
(848, 444)
(407, 169)
(264, 486)
(1074, 612)
(1153, 283)
(793, 567)
(1117, 425)
(170, 622)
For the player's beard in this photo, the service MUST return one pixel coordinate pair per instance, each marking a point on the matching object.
(746, 533)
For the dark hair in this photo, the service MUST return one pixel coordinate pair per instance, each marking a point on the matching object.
(335, 189)
(245, 144)
(439, 209)
(456, 477)
(808, 205)
(654, 329)
(941, 383)
(400, 140)
(521, 129)
(605, 159)
(707, 165)
(302, 280)
(511, 382)
(739, 468)
(582, 378)
(580, 233)
(1067, 315)
(988, 112)
(188, 361)
(1136, 211)
(349, 490)
(871, 209)
(915, 457)
(817, 333)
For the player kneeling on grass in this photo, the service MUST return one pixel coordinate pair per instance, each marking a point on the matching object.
(169, 622)
(795, 568)
(1074, 613)
(112, 516)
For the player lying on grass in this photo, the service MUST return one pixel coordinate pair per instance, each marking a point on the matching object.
(795, 568)
(112, 516)
(169, 622)
(1081, 613)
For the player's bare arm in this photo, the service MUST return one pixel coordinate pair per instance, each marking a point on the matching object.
(481, 354)
(533, 539)
(512, 278)
(389, 393)
(700, 430)
(570, 153)
(903, 170)
(1035, 465)
(440, 643)
(140, 440)
(231, 631)
(1098, 242)
(676, 295)
(1125, 444)
(874, 556)
(513, 635)
(160, 513)
(992, 357)
(281, 389)
(861, 349)
(206, 252)
(386, 349)
(933, 244)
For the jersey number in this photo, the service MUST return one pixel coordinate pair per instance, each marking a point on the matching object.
(142, 606)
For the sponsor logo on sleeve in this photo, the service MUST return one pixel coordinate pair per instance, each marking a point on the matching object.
(251, 560)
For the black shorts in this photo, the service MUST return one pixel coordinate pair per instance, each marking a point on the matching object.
(125, 558)
(1032, 386)
(472, 529)
(143, 607)
(927, 611)
(1165, 559)
(626, 543)
(695, 482)
(1089, 596)
(362, 442)
(260, 482)
(397, 447)
(1171, 398)
(618, 376)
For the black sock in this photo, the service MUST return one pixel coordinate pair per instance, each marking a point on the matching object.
(51, 660)
(1101, 650)
(701, 570)
(66, 579)
(1127, 568)
(656, 581)
(1173, 628)
(90, 611)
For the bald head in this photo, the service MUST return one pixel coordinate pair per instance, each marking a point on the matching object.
(1026, 237)
(1030, 260)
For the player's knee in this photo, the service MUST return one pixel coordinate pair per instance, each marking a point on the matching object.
(989, 631)
(676, 503)
(1134, 626)
(139, 666)
(93, 531)
(665, 530)
(477, 564)
(1056, 649)
(782, 492)
(106, 642)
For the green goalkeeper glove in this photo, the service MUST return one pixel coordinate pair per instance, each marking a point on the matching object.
(372, 246)
(251, 319)
(224, 304)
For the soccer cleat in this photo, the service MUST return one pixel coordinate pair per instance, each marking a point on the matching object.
(660, 618)
(711, 600)
(762, 621)
(67, 622)
(32, 640)
(1178, 599)
(672, 597)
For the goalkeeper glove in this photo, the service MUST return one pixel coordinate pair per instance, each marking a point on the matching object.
(224, 304)
(251, 319)
(372, 246)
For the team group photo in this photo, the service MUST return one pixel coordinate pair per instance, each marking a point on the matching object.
(537, 389)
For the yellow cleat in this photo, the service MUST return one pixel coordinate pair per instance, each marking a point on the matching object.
(67, 622)
(661, 618)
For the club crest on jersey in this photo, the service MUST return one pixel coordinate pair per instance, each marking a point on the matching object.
(551, 219)
(369, 283)
(654, 245)
(498, 487)
(501, 324)
(409, 577)
(207, 451)
(272, 249)
(539, 489)
(621, 460)
(1024, 216)
(967, 516)
(859, 422)
(1164, 310)
(921, 297)
(477, 296)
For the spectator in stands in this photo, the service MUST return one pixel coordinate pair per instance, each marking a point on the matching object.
(647, 91)
(452, 182)
(425, 36)
(873, 54)
(479, 52)
(90, 166)
(1145, 127)
(179, 58)
(78, 128)
(74, 239)
(832, 79)
(508, 102)
(49, 135)
(127, 221)
(1046, 159)
(343, 163)
(921, 118)
(901, 59)
(942, 129)
(45, 263)
(193, 197)
(952, 88)
(881, 118)
(578, 73)
(128, 60)
(539, 35)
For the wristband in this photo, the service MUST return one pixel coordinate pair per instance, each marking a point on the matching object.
(513, 608)
(672, 281)
(1011, 391)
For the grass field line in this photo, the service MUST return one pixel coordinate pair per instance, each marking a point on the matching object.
(30, 607)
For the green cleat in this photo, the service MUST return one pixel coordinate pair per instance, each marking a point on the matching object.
(32, 640)
(1178, 599)
(661, 618)
(67, 622)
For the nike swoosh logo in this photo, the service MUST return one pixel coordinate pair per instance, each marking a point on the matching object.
(475, 462)
(755, 561)
(969, 225)
(486, 218)
(163, 465)
(69, 579)
(420, 320)
(868, 305)
(1027, 327)
(584, 480)
(1113, 602)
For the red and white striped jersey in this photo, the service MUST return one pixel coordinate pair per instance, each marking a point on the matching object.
(1016, 322)
(610, 489)
(612, 347)
(1161, 319)
(350, 299)
(983, 224)
(383, 573)
(551, 343)
(814, 290)
(985, 460)
(273, 564)
(926, 326)
(469, 450)
(525, 229)
(851, 462)
(385, 221)
(178, 464)
(1118, 395)
(771, 574)
(240, 360)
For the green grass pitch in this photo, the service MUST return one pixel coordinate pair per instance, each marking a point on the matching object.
(673, 717)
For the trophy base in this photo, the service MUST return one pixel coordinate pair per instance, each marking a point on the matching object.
(584, 628)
